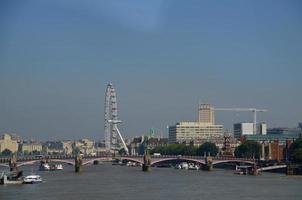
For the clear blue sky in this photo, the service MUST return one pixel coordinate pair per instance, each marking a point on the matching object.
(163, 57)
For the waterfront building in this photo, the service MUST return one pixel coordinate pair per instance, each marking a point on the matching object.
(30, 147)
(188, 132)
(53, 148)
(85, 146)
(8, 142)
(241, 129)
(67, 147)
(199, 132)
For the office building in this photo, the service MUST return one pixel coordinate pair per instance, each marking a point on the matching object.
(188, 132)
(241, 129)
(206, 114)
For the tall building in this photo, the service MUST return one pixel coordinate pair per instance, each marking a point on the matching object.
(206, 114)
(241, 129)
(197, 132)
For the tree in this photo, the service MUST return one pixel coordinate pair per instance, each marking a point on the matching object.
(248, 149)
(295, 151)
(207, 148)
(176, 149)
(6, 152)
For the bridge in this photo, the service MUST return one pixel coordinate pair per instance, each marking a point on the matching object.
(70, 160)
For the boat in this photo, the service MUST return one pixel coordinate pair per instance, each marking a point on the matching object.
(182, 165)
(242, 170)
(44, 167)
(193, 166)
(31, 179)
(11, 178)
(47, 167)
(58, 167)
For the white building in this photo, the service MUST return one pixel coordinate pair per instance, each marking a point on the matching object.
(241, 129)
(186, 132)
(263, 129)
(197, 132)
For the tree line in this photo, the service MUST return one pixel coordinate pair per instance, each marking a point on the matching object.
(188, 150)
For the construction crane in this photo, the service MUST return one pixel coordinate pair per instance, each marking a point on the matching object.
(254, 110)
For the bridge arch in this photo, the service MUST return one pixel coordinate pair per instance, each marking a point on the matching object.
(178, 159)
(90, 161)
(131, 159)
(233, 161)
(52, 160)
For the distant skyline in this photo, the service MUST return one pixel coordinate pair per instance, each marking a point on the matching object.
(163, 58)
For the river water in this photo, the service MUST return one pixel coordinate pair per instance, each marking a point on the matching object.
(119, 182)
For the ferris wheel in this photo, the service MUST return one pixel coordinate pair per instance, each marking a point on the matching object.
(113, 137)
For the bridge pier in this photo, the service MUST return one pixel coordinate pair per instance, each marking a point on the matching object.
(293, 169)
(78, 164)
(208, 164)
(13, 164)
(147, 163)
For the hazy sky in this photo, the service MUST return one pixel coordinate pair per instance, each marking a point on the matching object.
(163, 57)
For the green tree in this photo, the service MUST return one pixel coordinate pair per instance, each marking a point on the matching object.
(207, 148)
(176, 149)
(248, 149)
(295, 151)
(7, 152)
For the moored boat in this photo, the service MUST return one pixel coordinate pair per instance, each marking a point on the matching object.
(31, 179)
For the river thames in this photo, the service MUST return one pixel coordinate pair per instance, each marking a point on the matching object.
(119, 182)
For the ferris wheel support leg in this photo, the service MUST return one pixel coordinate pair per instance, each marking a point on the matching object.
(124, 144)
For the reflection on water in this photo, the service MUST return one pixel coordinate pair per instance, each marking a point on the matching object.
(120, 182)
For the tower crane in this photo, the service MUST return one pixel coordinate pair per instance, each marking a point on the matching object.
(254, 110)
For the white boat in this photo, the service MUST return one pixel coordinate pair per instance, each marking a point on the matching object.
(59, 167)
(31, 179)
(182, 165)
(47, 167)
(44, 167)
(193, 166)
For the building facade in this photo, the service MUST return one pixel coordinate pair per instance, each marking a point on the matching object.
(241, 129)
(206, 114)
(188, 132)
(263, 129)
(31, 147)
(8, 142)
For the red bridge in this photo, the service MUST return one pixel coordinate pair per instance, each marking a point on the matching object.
(22, 161)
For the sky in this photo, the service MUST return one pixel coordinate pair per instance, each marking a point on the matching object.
(162, 56)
